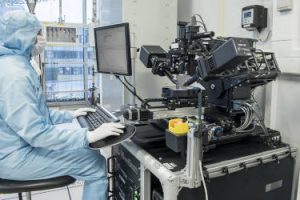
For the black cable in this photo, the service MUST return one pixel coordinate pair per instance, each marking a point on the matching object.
(130, 84)
(170, 77)
(203, 23)
(133, 87)
(130, 90)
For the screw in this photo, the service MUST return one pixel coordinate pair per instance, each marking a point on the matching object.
(212, 86)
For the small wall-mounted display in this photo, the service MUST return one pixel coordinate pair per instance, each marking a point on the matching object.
(254, 18)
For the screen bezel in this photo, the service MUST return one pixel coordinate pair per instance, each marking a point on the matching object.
(128, 53)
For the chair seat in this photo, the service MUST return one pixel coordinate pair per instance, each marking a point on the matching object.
(9, 186)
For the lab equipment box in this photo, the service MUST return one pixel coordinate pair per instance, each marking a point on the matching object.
(246, 170)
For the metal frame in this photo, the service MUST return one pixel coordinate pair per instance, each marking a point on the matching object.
(172, 182)
(85, 48)
(28, 196)
(232, 166)
(169, 180)
(68, 103)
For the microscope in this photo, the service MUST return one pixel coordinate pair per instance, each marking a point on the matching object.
(205, 136)
(214, 81)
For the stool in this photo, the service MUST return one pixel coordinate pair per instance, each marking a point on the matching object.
(9, 186)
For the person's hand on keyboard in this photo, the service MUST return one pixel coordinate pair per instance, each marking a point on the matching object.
(104, 131)
(82, 112)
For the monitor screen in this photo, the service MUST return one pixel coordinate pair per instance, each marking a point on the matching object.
(113, 49)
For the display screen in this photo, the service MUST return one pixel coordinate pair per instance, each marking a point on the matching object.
(113, 49)
(247, 14)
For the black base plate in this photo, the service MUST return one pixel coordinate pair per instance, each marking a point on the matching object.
(180, 93)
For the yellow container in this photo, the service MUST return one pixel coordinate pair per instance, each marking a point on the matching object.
(178, 127)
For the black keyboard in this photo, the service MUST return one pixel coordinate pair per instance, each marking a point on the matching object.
(95, 119)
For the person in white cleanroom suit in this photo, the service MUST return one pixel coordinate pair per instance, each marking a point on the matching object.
(31, 146)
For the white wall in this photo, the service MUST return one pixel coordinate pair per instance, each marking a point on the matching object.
(283, 96)
(186, 7)
(151, 23)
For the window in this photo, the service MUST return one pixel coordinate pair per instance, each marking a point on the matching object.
(6, 5)
(64, 55)
(64, 77)
(64, 73)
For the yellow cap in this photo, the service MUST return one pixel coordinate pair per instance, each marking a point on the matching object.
(178, 127)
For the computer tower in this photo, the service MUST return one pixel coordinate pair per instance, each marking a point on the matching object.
(125, 175)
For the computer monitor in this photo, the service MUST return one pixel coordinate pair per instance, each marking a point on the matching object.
(113, 49)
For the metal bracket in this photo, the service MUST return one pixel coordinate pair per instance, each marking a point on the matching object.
(260, 160)
(244, 165)
(275, 157)
(111, 179)
(191, 175)
(225, 170)
(111, 165)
